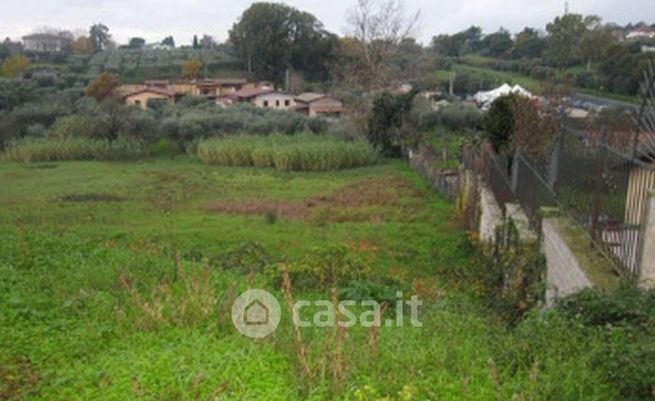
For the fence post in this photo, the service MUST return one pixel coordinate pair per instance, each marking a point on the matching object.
(646, 279)
(553, 170)
(515, 171)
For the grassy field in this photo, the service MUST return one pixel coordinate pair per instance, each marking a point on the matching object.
(116, 282)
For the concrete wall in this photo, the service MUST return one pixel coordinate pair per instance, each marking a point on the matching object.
(515, 212)
(491, 216)
(647, 265)
(564, 276)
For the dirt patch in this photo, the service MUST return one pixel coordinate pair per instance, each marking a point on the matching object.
(363, 200)
(92, 198)
(17, 377)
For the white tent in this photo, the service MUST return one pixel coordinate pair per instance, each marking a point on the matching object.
(486, 98)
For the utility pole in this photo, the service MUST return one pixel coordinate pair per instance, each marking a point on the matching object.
(566, 8)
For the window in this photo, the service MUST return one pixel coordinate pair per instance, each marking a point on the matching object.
(137, 103)
(277, 103)
(265, 103)
(287, 102)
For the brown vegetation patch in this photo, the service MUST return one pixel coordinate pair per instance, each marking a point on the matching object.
(92, 198)
(362, 200)
(16, 378)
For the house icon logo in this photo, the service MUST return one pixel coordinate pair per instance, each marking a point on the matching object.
(256, 313)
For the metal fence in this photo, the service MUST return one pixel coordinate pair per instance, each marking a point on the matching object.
(496, 173)
(605, 191)
(602, 189)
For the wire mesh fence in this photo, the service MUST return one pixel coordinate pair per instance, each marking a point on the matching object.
(603, 189)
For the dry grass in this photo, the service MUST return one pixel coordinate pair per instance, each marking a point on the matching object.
(349, 203)
(186, 300)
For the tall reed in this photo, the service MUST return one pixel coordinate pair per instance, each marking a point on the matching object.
(303, 152)
(42, 150)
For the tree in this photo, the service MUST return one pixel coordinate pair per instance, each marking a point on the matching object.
(528, 44)
(82, 45)
(387, 124)
(498, 123)
(195, 43)
(596, 40)
(99, 36)
(14, 66)
(565, 38)
(459, 44)
(378, 27)
(497, 44)
(271, 38)
(191, 68)
(136, 43)
(102, 87)
(207, 42)
(168, 41)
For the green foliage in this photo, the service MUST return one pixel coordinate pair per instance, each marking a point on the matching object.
(307, 152)
(388, 122)
(499, 122)
(459, 117)
(14, 66)
(73, 126)
(71, 148)
(511, 274)
(628, 319)
(270, 38)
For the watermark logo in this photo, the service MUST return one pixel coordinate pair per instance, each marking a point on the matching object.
(256, 313)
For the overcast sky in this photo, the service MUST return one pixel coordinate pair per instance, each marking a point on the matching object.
(155, 19)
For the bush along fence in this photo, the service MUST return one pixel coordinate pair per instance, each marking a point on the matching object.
(604, 191)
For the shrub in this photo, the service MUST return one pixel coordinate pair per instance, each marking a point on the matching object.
(306, 152)
(60, 149)
(627, 321)
(73, 126)
(460, 116)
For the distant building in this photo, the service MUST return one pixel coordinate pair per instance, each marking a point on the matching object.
(641, 33)
(318, 105)
(219, 87)
(141, 97)
(275, 100)
(42, 42)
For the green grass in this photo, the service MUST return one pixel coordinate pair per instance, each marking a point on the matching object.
(479, 66)
(93, 304)
(497, 77)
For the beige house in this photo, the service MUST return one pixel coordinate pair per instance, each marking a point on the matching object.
(141, 97)
(265, 98)
(318, 105)
(275, 100)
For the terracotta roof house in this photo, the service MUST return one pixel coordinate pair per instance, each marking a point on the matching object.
(141, 97)
(248, 94)
(318, 104)
(219, 86)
